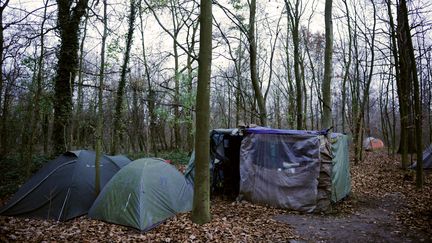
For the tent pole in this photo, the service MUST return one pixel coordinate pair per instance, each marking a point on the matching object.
(64, 203)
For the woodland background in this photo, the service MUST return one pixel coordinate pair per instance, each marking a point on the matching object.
(138, 61)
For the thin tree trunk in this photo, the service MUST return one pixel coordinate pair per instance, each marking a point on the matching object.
(291, 101)
(3, 142)
(201, 200)
(189, 61)
(360, 114)
(35, 112)
(302, 68)
(403, 86)
(347, 63)
(99, 123)
(151, 97)
(253, 65)
(176, 29)
(118, 116)
(80, 98)
(326, 121)
(294, 20)
(239, 81)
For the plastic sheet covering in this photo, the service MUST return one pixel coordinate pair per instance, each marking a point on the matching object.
(325, 177)
(341, 178)
(217, 153)
(427, 158)
(284, 169)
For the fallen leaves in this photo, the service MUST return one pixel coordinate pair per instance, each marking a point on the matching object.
(377, 179)
(380, 175)
(230, 222)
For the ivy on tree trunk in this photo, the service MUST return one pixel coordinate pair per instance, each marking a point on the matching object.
(69, 18)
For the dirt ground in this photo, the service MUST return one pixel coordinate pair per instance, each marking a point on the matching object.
(375, 220)
(384, 206)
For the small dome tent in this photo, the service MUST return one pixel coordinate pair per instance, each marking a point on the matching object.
(64, 187)
(143, 194)
(371, 143)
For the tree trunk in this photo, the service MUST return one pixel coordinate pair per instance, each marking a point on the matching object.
(326, 121)
(99, 123)
(363, 102)
(3, 142)
(299, 124)
(189, 61)
(151, 96)
(408, 66)
(294, 21)
(304, 91)
(69, 19)
(118, 116)
(253, 66)
(35, 103)
(291, 101)
(201, 200)
(177, 137)
(239, 81)
(347, 63)
(80, 98)
(402, 89)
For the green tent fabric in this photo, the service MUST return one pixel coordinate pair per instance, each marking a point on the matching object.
(341, 178)
(143, 194)
(64, 187)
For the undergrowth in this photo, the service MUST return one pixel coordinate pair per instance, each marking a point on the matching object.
(13, 173)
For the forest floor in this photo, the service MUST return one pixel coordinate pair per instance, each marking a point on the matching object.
(384, 207)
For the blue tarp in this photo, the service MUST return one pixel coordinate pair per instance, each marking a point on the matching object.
(266, 130)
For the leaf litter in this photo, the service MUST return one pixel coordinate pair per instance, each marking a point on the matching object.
(376, 181)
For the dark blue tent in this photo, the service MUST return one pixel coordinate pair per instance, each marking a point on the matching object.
(63, 188)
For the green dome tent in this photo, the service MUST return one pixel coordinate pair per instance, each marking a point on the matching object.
(143, 194)
(64, 187)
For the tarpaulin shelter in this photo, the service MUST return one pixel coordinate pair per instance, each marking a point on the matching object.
(224, 162)
(143, 194)
(341, 177)
(371, 143)
(427, 158)
(301, 170)
(64, 187)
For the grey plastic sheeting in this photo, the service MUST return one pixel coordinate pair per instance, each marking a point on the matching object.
(286, 171)
(143, 194)
(64, 187)
(341, 178)
(427, 158)
(216, 153)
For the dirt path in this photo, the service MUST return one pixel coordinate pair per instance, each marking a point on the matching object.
(374, 220)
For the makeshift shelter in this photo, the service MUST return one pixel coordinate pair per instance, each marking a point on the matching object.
(143, 194)
(341, 177)
(64, 187)
(427, 158)
(371, 143)
(224, 162)
(301, 170)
